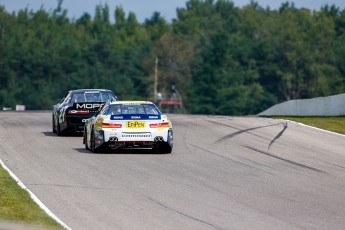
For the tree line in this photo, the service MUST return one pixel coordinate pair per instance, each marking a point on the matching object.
(222, 59)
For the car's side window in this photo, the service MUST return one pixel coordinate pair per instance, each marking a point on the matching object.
(64, 98)
(68, 99)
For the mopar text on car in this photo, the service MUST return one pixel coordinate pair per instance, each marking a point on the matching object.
(77, 106)
(129, 124)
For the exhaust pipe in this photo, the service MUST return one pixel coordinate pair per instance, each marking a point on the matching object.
(157, 139)
(113, 139)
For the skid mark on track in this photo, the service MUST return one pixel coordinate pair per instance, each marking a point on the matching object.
(231, 135)
(285, 126)
(71, 186)
(183, 214)
(230, 159)
(217, 154)
(283, 159)
(279, 135)
(222, 124)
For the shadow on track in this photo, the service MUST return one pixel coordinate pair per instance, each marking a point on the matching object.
(133, 151)
(51, 134)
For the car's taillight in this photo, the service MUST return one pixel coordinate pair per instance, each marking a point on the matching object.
(110, 125)
(79, 111)
(160, 125)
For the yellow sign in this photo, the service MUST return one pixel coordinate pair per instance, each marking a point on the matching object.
(135, 124)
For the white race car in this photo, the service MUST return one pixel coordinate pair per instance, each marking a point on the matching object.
(129, 124)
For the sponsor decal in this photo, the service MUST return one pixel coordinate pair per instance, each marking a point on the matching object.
(88, 105)
(135, 117)
(131, 103)
(62, 114)
(78, 112)
(135, 124)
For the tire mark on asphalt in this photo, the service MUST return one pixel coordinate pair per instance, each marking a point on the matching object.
(70, 186)
(184, 214)
(338, 166)
(231, 135)
(278, 136)
(219, 155)
(283, 159)
(285, 126)
(230, 159)
(222, 124)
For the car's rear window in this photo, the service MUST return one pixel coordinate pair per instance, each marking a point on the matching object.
(92, 96)
(133, 109)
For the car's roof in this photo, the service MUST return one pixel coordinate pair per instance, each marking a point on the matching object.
(131, 102)
(87, 90)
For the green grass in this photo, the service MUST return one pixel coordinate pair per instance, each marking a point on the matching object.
(334, 124)
(16, 205)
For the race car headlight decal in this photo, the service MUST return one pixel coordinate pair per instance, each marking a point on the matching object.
(110, 125)
(78, 111)
(160, 125)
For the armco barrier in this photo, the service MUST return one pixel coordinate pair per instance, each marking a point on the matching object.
(320, 106)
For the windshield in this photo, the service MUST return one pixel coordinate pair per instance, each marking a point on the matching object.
(133, 109)
(92, 96)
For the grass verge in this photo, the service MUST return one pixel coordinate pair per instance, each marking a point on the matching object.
(334, 124)
(16, 206)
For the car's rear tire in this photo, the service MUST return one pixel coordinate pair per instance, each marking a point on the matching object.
(53, 124)
(85, 140)
(58, 129)
(93, 142)
(163, 147)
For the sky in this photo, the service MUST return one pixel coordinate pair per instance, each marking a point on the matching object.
(145, 8)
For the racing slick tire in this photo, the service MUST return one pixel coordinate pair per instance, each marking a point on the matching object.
(85, 140)
(163, 147)
(93, 144)
(53, 124)
(58, 130)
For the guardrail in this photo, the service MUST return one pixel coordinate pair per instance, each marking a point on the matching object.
(320, 106)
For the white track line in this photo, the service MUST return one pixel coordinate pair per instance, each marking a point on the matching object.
(35, 199)
(327, 131)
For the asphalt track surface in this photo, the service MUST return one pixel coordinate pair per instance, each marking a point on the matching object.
(224, 173)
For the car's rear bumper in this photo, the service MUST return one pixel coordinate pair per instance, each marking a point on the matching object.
(117, 138)
(148, 136)
(76, 122)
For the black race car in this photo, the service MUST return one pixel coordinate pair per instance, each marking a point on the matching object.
(69, 115)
